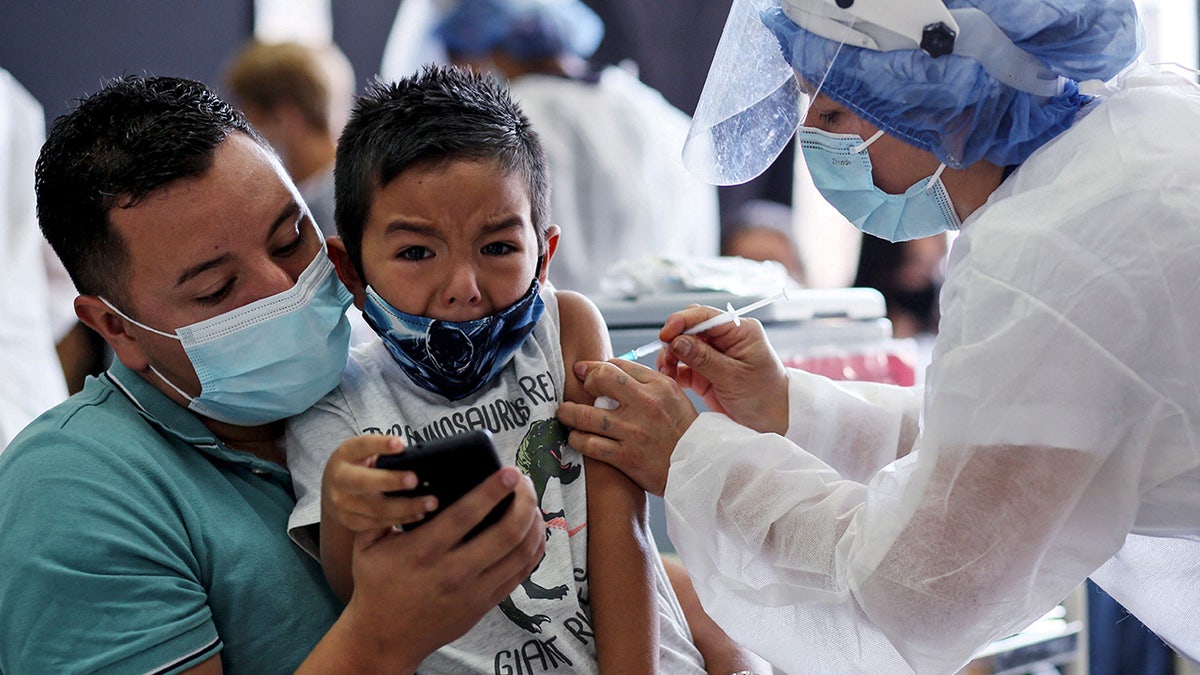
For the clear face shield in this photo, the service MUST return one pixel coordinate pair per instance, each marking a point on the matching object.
(774, 56)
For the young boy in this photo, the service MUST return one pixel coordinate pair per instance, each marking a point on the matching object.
(442, 208)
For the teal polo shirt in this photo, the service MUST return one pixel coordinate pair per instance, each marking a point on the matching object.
(132, 540)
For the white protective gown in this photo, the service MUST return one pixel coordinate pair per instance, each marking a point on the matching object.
(620, 189)
(1059, 430)
(31, 377)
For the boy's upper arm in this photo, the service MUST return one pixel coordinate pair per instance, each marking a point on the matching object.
(619, 543)
(584, 338)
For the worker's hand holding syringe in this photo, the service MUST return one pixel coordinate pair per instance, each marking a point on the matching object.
(725, 360)
(730, 365)
(729, 315)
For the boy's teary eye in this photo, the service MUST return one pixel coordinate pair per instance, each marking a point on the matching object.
(498, 248)
(414, 253)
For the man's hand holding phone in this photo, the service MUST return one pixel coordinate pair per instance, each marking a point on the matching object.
(431, 583)
(447, 469)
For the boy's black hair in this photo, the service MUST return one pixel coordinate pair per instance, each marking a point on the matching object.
(443, 113)
(131, 138)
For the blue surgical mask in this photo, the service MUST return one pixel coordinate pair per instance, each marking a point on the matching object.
(841, 170)
(454, 358)
(272, 358)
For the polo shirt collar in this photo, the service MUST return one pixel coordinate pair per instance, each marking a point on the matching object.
(175, 420)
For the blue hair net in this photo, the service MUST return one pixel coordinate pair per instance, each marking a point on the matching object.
(951, 106)
(524, 29)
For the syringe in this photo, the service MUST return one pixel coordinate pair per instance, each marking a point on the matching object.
(730, 314)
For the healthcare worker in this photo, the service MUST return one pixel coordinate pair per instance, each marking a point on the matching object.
(31, 376)
(620, 189)
(852, 527)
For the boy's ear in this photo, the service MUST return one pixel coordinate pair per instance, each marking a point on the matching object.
(346, 271)
(552, 233)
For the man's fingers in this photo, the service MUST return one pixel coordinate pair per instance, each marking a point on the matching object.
(522, 528)
(458, 518)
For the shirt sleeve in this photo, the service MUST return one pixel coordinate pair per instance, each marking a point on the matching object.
(312, 437)
(94, 580)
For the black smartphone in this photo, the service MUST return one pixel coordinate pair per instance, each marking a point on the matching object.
(449, 468)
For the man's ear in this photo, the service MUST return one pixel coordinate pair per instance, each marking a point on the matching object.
(346, 271)
(552, 233)
(98, 316)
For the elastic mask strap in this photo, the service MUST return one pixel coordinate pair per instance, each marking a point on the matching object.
(937, 175)
(143, 326)
(861, 147)
(171, 384)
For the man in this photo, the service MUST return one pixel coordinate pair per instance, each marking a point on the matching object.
(144, 519)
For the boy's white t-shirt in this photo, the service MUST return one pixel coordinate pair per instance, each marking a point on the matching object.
(545, 624)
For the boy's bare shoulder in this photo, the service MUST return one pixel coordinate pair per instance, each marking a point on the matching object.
(583, 336)
(576, 304)
(583, 332)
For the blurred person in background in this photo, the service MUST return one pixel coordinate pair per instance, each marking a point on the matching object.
(298, 97)
(619, 187)
(31, 378)
(909, 274)
(761, 229)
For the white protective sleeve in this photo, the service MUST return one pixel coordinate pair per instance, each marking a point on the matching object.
(1060, 415)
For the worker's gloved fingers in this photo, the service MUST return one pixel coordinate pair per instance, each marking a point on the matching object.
(736, 372)
(684, 319)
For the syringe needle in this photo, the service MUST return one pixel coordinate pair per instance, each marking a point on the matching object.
(730, 314)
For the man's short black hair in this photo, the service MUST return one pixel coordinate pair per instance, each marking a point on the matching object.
(134, 136)
(441, 114)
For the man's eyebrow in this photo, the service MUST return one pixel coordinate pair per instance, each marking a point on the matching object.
(198, 269)
(192, 272)
(292, 209)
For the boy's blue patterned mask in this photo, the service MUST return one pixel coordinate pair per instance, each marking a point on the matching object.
(454, 358)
